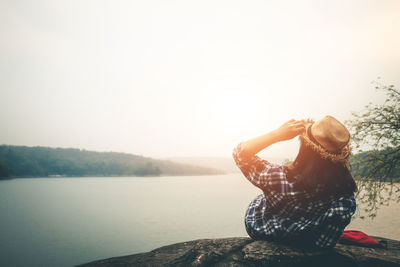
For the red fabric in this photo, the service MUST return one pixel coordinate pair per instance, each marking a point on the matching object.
(358, 237)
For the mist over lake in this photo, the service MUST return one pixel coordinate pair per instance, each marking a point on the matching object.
(68, 221)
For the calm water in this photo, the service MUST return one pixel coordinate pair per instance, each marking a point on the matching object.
(68, 221)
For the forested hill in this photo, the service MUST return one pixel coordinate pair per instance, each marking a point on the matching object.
(370, 163)
(22, 161)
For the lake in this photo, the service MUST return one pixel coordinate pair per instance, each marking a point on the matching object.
(69, 221)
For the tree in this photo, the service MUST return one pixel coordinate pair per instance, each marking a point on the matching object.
(376, 135)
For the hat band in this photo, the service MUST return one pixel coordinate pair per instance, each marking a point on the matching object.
(311, 136)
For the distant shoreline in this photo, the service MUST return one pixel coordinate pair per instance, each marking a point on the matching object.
(108, 176)
(33, 162)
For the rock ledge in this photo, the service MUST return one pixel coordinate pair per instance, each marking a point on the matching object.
(243, 251)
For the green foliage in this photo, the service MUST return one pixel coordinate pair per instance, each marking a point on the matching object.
(377, 168)
(375, 188)
(21, 161)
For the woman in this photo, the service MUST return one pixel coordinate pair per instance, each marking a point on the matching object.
(310, 202)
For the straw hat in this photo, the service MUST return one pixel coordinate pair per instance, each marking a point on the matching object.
(328, 137)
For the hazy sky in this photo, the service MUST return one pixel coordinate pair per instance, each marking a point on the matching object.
(187, 78)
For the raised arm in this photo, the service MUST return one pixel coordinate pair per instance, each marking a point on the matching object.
(259, 171)
(287, 131)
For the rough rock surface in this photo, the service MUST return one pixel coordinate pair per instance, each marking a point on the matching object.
(243, 251)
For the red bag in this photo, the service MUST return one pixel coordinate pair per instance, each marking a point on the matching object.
(359, 238)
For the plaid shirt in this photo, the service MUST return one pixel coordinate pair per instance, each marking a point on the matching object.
(286, 213)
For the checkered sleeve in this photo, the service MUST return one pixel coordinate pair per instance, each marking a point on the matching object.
(337, 218)
(260, 172)
(329, 234)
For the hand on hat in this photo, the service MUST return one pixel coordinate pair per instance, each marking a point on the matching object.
(290, 129)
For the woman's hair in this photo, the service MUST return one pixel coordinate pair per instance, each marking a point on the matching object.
(320, 177)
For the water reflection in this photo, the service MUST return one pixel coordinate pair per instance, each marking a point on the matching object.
(67, 221)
